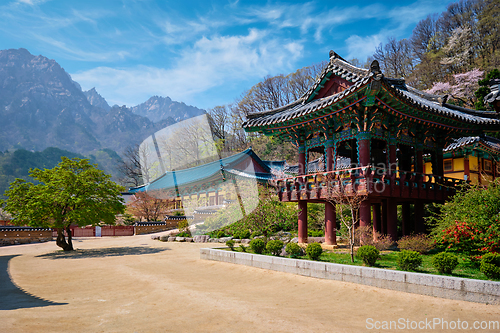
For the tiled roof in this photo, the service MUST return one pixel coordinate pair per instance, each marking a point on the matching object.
(296, 110)
(360, 77)
(279, 165)
(201, 173)
(339, 67)
(488, 141)
(432, 103)
(494, 95)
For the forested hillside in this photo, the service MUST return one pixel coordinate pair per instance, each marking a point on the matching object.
(448, 53)
(18, 163)
(453, 53)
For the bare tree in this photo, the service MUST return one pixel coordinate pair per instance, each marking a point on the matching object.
(129, 167)
(276, 91)
(219, 117)
(396, 58)
(343, 191)
(423, 38)
(149, 207)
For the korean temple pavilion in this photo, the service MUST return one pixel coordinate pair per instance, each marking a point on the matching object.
(211, 184)
(392, 135)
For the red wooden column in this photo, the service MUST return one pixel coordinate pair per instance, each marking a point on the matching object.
(466, 168)
(439, 170)
(377, 218)
(406, 218)
(302, 203)
(330, 213)
(329, 158)
(418, 206)
(392, 156)
(420, 161)
(302, 221)
(365, 214)
(302, 160)
(330, 224)
(419, 217)
(392, 218)
(383, 225)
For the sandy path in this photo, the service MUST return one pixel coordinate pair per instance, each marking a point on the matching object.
(168, 288)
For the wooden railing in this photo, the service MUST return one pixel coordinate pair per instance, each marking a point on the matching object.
(369, 180)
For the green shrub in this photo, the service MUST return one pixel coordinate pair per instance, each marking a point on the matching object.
(230, 244)
(314, 251)
(420, 243)
(315, 233)
(466, 223)
(242, 234)
(409, 260)
(445, 262)
(221, 233)
(183, 227)
(369, 254)
(243, 248)
(257, 245)
(255, 234)
(182, 224)
(274, 247)
(179, 213)
(293, 249)
(490, 266)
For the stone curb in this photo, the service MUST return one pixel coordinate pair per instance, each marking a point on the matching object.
(449, 287)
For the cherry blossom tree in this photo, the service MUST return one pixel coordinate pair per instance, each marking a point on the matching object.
(461, 88)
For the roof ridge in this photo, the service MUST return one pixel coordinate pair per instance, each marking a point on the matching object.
(272, 111)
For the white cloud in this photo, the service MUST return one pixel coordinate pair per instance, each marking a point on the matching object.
(31, 2)
(195, 53)
(211, 62)
(362, 47)
(74, 53)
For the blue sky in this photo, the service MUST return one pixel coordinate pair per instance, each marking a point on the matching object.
(203, 53)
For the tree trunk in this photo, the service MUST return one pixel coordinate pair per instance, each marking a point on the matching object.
(70, 242)
(61, 240)
(351, 243)
(351, 233)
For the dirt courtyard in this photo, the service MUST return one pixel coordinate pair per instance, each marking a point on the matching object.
(136, 284)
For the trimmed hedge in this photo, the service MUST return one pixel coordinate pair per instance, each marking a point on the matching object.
(257, 245)
(409, 260)
(369, 254)
(314, 251)
(445, 262)
(490, 266)
(274, 247)
(293, 249)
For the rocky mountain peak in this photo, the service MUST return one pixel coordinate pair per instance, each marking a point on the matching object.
(95, 99)
(158, 108)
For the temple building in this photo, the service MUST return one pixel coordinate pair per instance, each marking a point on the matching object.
(475, 159)
(207, 187)
(392, 136)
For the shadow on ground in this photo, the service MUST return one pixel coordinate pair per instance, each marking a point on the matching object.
(100, 253)
(11, 296)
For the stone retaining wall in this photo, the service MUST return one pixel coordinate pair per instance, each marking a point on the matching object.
(147, 229)
(425, 284)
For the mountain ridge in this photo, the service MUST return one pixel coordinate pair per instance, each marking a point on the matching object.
(41, 106)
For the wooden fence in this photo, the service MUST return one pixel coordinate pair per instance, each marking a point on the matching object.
(108, 230)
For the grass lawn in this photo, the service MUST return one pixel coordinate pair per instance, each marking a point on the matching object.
(388, 260)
